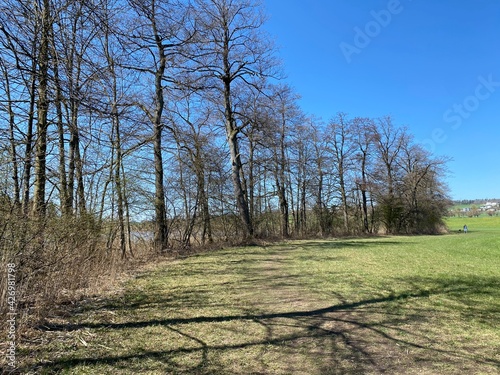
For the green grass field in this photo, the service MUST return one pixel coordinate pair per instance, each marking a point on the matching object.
(395, 305)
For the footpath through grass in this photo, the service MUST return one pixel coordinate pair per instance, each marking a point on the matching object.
(396, 305)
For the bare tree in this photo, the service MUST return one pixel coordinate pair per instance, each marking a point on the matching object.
(342, 151)
(20, 46)
(115, 97)
(389, 141)
(159, 31)
(285, 116)
(9, 107)
(77, 67)
(39, 204)
(363, 138)
(64, 196)
(321, 177)
(191, 130)
(301, 158)
(423, 194)
(233, 51)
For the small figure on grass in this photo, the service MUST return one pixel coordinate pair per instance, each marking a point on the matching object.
(465, 229)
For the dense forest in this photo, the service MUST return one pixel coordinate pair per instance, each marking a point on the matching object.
(166, 125)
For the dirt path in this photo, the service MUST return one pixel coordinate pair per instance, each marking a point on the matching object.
(327, 335)
(239, 313)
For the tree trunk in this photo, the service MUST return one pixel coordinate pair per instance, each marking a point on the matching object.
(161, 227)
(303, 208)
(29, 144)
(207, 226)
(251, 178)
(13, 151)
(75, 168)
(364, 200)
(39, 207)
(236, 165)
(118, 178)
(65, 202)
(161, 231)
(282, 189)
(319, 203)
(203, 198)
(343, 197)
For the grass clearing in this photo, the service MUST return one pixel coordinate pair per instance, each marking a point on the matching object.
(398, 305)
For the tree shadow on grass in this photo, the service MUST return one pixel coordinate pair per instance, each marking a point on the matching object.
(473, 297)
(347, 338)
(385, 334)
(356, 243)
(218, 319)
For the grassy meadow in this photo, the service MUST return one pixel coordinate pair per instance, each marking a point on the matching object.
(395, 305)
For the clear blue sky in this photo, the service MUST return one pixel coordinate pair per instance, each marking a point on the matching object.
(434, 66)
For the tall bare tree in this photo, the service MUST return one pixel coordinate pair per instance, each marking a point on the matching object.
(20, 46)
(233, 51)
(423, 194)
(363, 138)
(342, 151)
(286, 115)
(9, 108)
(389, 142)
(159, 31)
(115, 96)
(192, 121)
(39, 203)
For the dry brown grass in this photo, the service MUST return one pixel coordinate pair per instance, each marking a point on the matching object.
(57, 264)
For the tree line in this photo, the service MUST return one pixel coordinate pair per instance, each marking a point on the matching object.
(171, 118)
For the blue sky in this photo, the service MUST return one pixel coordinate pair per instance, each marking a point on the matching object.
(434, 66)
